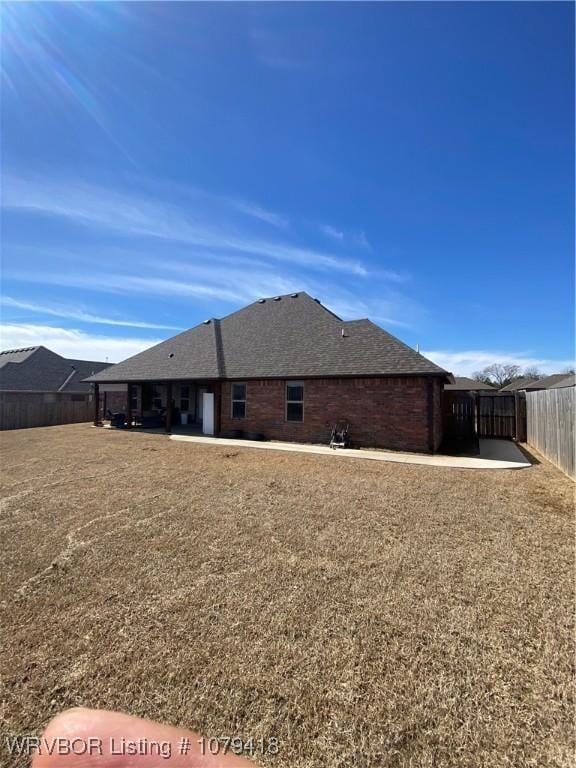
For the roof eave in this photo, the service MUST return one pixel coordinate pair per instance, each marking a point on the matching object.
(444, 375)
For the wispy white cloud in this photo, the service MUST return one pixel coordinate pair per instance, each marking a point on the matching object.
(127, 284)
(361, 240)
(466, 362)
(234, 286)
(72, 343)
(138, 216)
(332, 232)
(257, 211)
(352, 239)
(388, 309)
(80, 315)
(189, 250)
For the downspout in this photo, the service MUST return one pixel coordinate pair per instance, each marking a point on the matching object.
(221, 367)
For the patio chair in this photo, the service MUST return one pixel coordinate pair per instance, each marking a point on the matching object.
(340, 437)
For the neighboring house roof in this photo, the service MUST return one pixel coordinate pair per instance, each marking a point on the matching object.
(16, 355)
(38, 369)
(464, 384)
(569, 381)
(549, 382)
(284, 336)
(518, 384)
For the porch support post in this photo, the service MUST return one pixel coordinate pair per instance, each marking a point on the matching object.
(96, 405)
(217, 408)
(129, 405)
(169, 407)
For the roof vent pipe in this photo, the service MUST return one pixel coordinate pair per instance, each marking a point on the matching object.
(344, 334)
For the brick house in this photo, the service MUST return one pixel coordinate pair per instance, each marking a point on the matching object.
(286, 368)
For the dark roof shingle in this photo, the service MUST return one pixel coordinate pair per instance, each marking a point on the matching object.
(569, 381)
(518, 384)
(38, 369)
(286, 336)
(464, 384)
(549, 382)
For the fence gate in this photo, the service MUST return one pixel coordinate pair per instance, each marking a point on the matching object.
(468, 416)
(459, 416)
(496, 416)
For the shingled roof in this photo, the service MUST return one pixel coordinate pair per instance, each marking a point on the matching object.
(283, 336)
(38, 369)
(569, 381)
(464, 384)
(518, 384)
(549, 382)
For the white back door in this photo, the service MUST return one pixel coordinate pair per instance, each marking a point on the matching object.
(208, 413)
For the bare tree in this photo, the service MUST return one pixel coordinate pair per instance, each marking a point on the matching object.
(532, 373)
(498, 374)
(481, 376)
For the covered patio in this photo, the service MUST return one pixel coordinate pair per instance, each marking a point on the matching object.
(185, 407)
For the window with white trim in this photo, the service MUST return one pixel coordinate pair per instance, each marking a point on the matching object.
(294, 401)
(238, 401)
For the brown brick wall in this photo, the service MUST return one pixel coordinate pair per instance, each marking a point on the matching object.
(438, 424)
(382, 412)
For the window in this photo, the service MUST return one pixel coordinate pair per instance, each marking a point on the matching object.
(238, 401)
(184, 398)
(294, 401)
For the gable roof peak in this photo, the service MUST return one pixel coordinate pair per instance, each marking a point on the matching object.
(284, 300)
(284, 336)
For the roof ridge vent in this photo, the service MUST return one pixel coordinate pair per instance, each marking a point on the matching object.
(206, 322)
(293, 295)
(317, 301)
(261, 301)
(276, 298)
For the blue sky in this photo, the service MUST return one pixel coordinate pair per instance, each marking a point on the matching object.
(409, 162)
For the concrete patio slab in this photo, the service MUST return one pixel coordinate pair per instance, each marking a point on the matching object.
(496, 455)
(501, 450)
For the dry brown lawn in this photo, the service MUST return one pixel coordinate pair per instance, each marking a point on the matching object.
(364, 613)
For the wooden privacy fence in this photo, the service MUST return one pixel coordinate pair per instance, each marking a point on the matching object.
(550, 415)
(19, 410)
(459, 415)
(469, 415)
(496, 415)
